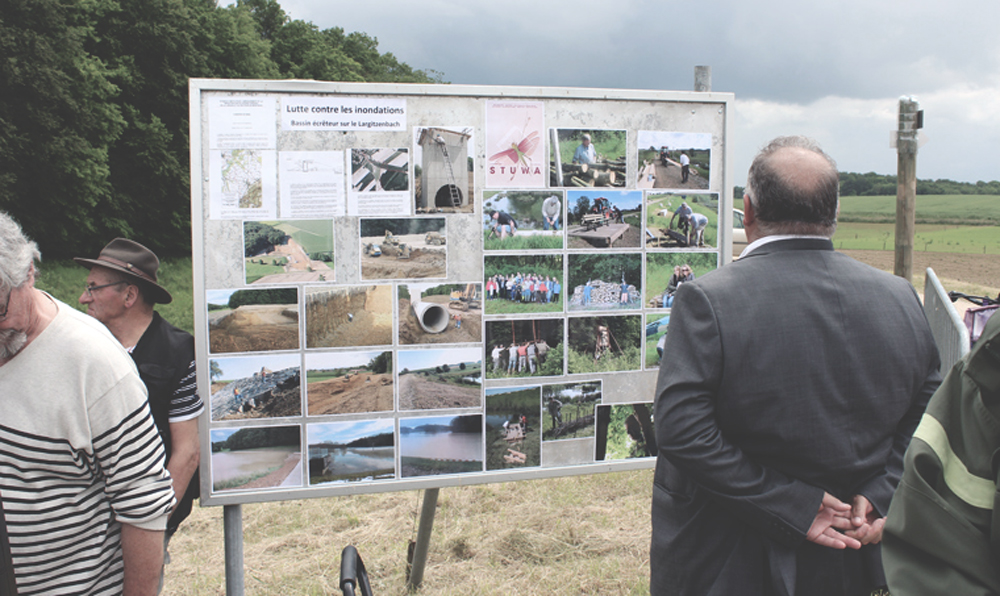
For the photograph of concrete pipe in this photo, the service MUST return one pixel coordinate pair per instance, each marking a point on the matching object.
(433, 318)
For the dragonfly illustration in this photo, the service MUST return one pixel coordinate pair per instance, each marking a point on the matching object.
(520, 152)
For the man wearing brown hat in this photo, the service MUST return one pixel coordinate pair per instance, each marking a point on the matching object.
(121, 291)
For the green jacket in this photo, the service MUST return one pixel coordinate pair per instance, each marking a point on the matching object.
(942, 533)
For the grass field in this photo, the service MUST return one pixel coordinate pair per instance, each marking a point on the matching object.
(522, 242)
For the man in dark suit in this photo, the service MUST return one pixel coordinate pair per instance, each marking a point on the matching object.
(797, 376)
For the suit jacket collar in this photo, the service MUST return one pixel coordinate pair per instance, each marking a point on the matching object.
(791, 243)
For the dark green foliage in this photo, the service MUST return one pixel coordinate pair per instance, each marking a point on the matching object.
(872, 184)
(275, 296)
(381, 364)
(466, 424)
(94, 109)
(254, 438)
(401, 227)
(260, 238)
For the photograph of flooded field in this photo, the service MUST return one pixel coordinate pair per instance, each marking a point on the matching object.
(263, 386)
(441, 445)
(253, 320)
(356, 451)
(348, 382)
(348, 316)
(253, 458)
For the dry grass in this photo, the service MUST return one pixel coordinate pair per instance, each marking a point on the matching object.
(576, 535)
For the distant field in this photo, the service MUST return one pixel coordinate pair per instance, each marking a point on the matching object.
(931, 209)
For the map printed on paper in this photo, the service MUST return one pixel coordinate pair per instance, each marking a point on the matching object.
(243, 184)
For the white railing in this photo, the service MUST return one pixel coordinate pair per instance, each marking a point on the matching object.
(949, 331)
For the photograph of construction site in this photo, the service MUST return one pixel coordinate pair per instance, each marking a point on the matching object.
(604, 344)
(666, 271)
(440, 378)
(255, 458)
(440, 313)
(587, 157)
(440, 445)
(348, 382)
(524, 348)
(679, 160)
(604, 219)
(281, 252)
(625, 431)
(513, 429)
(568, 410)
(356, 451)
(604, 281)
(380, 170)
(253, 320)
(403, 248)
(348, 316)
(443, 180)
(523, 220)
(248, 387)
(687, 221)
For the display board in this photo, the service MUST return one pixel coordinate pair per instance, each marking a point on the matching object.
(413, 286)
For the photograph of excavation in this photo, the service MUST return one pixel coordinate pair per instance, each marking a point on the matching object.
(255, 387)
(357, 451)
(348, 316)
(603, 281)
(568, 410)
(440, 378)
(604, 219)
(587, 157)
(256, 458)
(625, 431)
(513, 433)
(440, 313)
(283, 252)
(674, 159)
(440, 445)
(397, 248)
(672, 220)
(253, 320)
(348, 382)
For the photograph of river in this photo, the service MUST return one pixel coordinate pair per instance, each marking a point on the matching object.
(354, 451)
(441, 445)
(255, 458)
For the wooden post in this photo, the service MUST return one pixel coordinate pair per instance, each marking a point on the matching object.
(906, 186)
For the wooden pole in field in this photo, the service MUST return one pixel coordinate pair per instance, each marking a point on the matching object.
(910, 119)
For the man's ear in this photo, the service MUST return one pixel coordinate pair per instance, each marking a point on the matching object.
(748, 210)
(131, 295)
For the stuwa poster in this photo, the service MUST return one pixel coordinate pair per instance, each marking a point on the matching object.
(515, 145)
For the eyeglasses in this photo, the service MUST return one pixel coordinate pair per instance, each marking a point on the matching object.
(90, 289)
(6, 305)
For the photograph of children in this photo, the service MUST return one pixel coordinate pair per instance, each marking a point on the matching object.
(666, 271)
(440, 313)
(604, 219)
(348, 316)
(604, 281)
(604, 344)
(440, 378)
(255, 387)
(514, 144)
(523, 284)
(513, 432)
(522, 220)
(258, 457)
(282, 252)
(253, 320)
(625, 431)
(568, 410)
(682, 220)
(583, 157)
(674, 159)
(403, 248)
(348, 382)
(440, 445)
(357, 451)
(443, 179)
(524, 348)
(656, 338)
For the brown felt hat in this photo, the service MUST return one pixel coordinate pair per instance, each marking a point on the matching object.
(134, 260)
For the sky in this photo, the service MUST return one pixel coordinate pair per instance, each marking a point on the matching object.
(831, 70)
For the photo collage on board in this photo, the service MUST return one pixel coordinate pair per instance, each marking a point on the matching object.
(406, 369)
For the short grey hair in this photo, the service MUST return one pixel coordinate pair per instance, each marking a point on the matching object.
(786, 203)
(17, 253)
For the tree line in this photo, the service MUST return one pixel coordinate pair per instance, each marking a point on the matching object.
(870, 184)
(94, 109)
